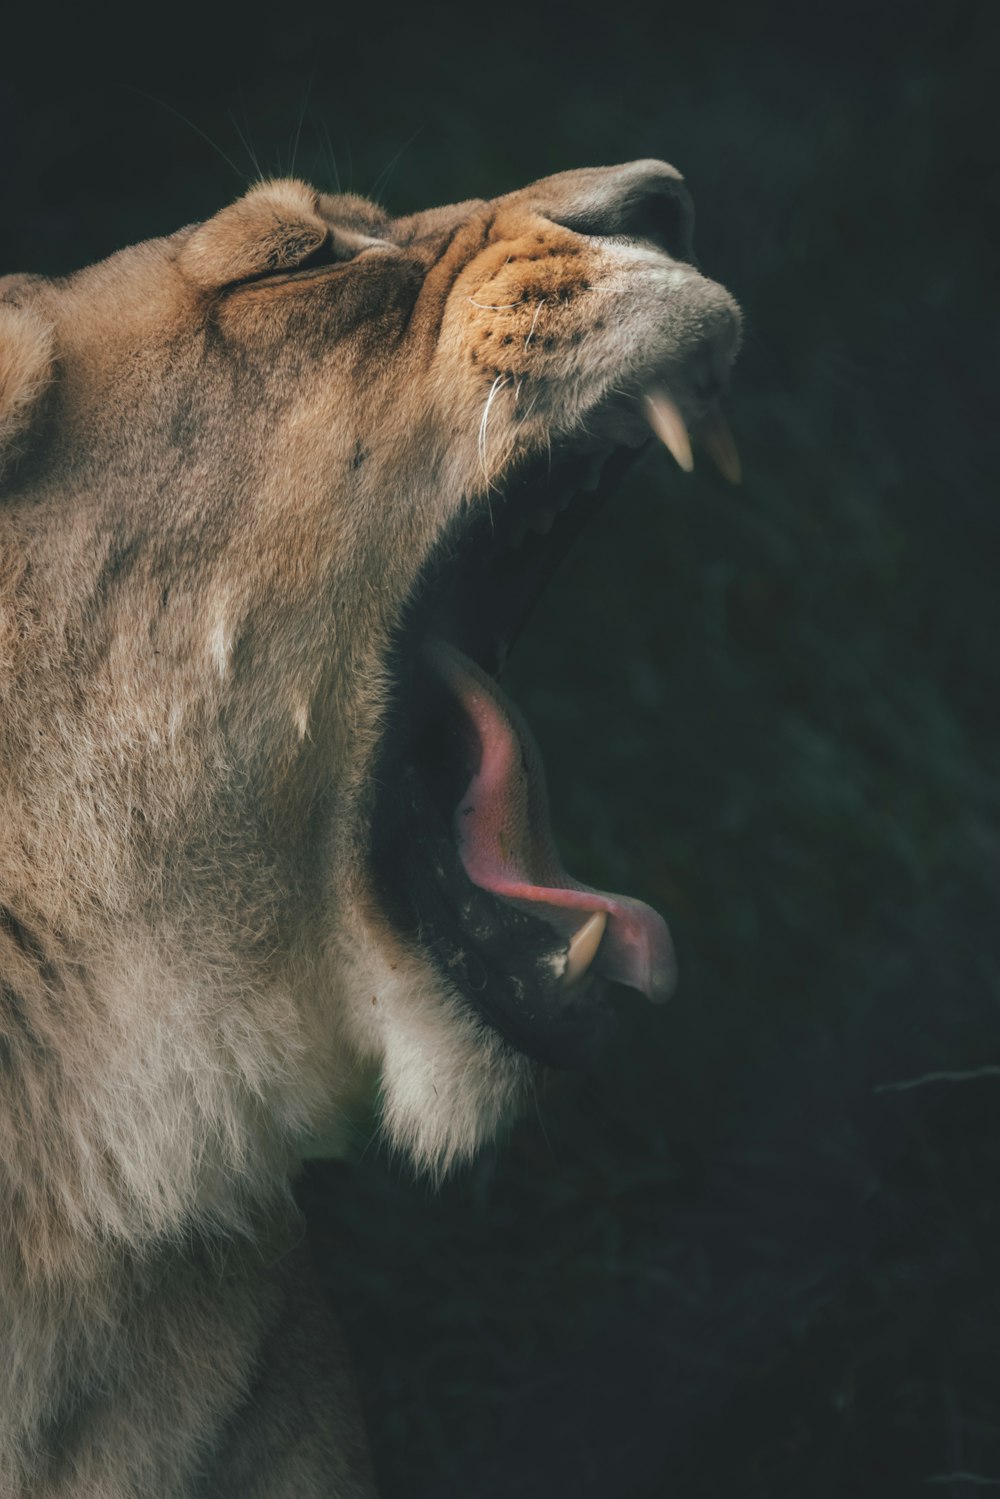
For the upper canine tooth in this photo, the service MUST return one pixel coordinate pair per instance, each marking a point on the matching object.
(541, 521)
(668, 424)
(583, 947)
(715, 436)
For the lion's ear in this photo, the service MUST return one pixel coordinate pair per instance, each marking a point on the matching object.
(27, 357)
(275, 227)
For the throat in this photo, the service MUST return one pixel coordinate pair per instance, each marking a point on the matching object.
(502, 831)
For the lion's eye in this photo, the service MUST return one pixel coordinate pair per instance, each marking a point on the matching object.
(337, 248)
(276, 232)
(328, 252)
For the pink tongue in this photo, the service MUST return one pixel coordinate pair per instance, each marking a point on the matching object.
(506, 845)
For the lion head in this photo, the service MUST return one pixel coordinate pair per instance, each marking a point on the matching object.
(278, 491)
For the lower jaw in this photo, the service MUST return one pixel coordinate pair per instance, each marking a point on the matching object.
(526, 947)
(500, 960)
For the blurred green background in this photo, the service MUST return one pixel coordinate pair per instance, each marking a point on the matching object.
(731, 1261)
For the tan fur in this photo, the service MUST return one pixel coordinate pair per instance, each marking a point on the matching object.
(26, 356)
(219, 491)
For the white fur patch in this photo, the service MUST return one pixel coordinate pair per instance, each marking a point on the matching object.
(448, 1080)
(300, 717)
(220, 644)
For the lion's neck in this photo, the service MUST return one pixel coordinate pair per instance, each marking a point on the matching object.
(121, 1382)
(130, 1177)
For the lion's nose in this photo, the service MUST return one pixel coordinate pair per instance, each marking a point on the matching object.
(643, 200)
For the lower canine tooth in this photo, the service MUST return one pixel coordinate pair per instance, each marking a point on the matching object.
(720, 445)
(668, 424)
(583, 947)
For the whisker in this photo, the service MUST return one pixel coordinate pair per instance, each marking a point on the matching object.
(496, 387)
(382, 180)
(302, 116)
(331, 156)
(534, 320)
(534, 403)
(162, 103)
(248, 148)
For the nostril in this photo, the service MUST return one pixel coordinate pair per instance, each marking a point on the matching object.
(647, 200)
(660, 213)
(665, 219)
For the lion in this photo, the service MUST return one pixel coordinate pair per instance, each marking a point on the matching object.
(278, 492)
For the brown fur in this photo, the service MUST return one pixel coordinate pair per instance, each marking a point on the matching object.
(223, 470)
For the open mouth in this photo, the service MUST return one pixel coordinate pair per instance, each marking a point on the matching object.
(464, 856)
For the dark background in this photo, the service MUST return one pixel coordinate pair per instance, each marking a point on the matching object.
(732, 1261)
